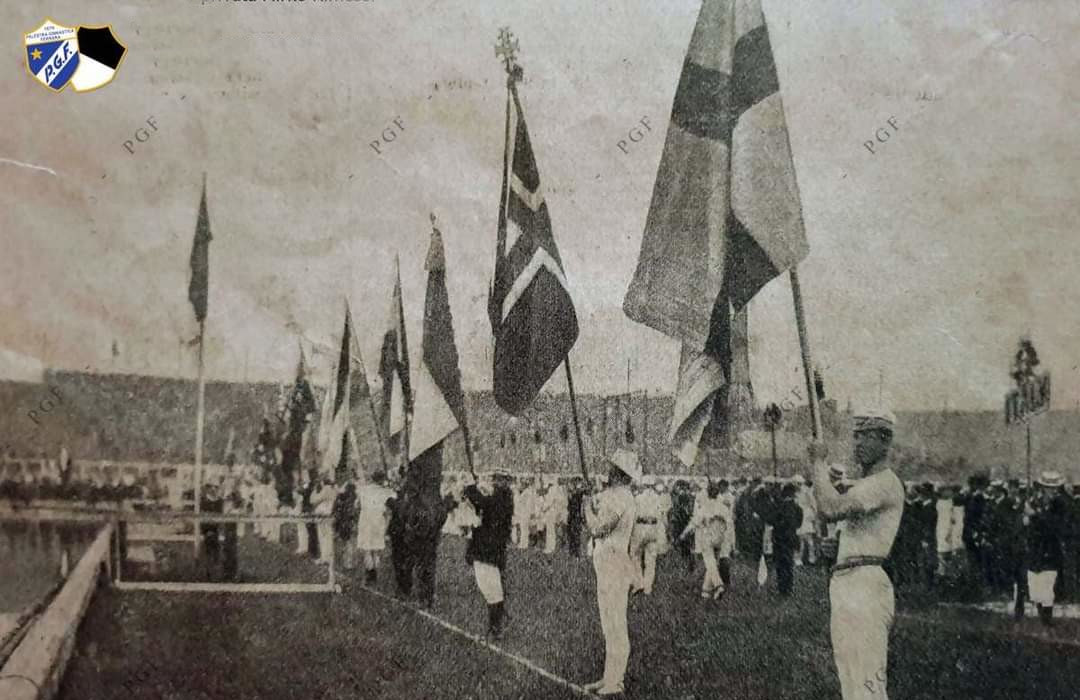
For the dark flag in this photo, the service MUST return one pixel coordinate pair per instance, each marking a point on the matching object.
(531, 312)
(725, 216)
(394, 372)
(200, 260)
(298, 410)
(342, 407)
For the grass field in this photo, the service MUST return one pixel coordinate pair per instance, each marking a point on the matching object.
(751, 644)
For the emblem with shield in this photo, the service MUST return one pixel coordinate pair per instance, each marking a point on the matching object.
(52, 54)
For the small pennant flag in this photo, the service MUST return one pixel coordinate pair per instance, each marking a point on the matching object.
(200, 260)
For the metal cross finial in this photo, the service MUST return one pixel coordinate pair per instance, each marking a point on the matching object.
(507, 49)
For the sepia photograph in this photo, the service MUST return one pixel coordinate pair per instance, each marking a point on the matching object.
(496, 349)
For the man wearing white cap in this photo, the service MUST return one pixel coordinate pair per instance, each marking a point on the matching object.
(860, 594)
(610, 516)
(1045, 518)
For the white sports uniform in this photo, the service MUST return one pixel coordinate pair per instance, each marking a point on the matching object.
(861, 596)
(610, 516)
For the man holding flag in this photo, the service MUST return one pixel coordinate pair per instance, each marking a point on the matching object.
(439, 410)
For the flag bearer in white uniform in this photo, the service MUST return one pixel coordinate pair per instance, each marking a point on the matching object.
(610, 516)
(860, 594)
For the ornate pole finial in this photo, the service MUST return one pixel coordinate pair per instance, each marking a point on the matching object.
(506, 49)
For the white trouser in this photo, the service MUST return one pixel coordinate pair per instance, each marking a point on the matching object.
(551, 538)
(273, 530)
(521, 534)
(644, 548)
(301, 538)
(862, 604)
(1041, 586)
(325, 530)
(613, 575)
(489, 581)
(712, 569)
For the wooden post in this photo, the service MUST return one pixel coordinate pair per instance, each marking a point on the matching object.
(804, 347)
(1028, 421)
(775, 465)
(574, 414)
(645, 427)
(199, 417)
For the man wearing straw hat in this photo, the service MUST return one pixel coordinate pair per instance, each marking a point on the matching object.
(610, 516)
(1045, 518)
(861, 596)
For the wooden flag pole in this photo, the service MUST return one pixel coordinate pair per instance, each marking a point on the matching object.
(574, 414)
(804, 347)
(378, 430)
(645, 428)
(199, 416)
(468, 450)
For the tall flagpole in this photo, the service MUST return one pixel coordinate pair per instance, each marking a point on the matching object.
(796, 292)
(645, 428)
(804, 348)
(574, 414)
(200, 413)
(199, 416)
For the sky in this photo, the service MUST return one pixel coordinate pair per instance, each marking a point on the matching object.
(929, 258)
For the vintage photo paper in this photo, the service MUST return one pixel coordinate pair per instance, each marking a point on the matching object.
(505, 349)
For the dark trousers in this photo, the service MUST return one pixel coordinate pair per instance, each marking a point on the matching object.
(1019, 575)
(573, 537)
(414, 562)
(402, 559)
(230, 558)
(785, 571)
(723, 565)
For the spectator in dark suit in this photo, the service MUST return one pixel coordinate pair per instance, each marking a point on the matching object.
(974, 534)
(345, 515)
(786, 519)
(575, 521)
(416, 520)
(682, 510)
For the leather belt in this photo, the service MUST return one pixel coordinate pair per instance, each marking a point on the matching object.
(855, 562)
(648, 521)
